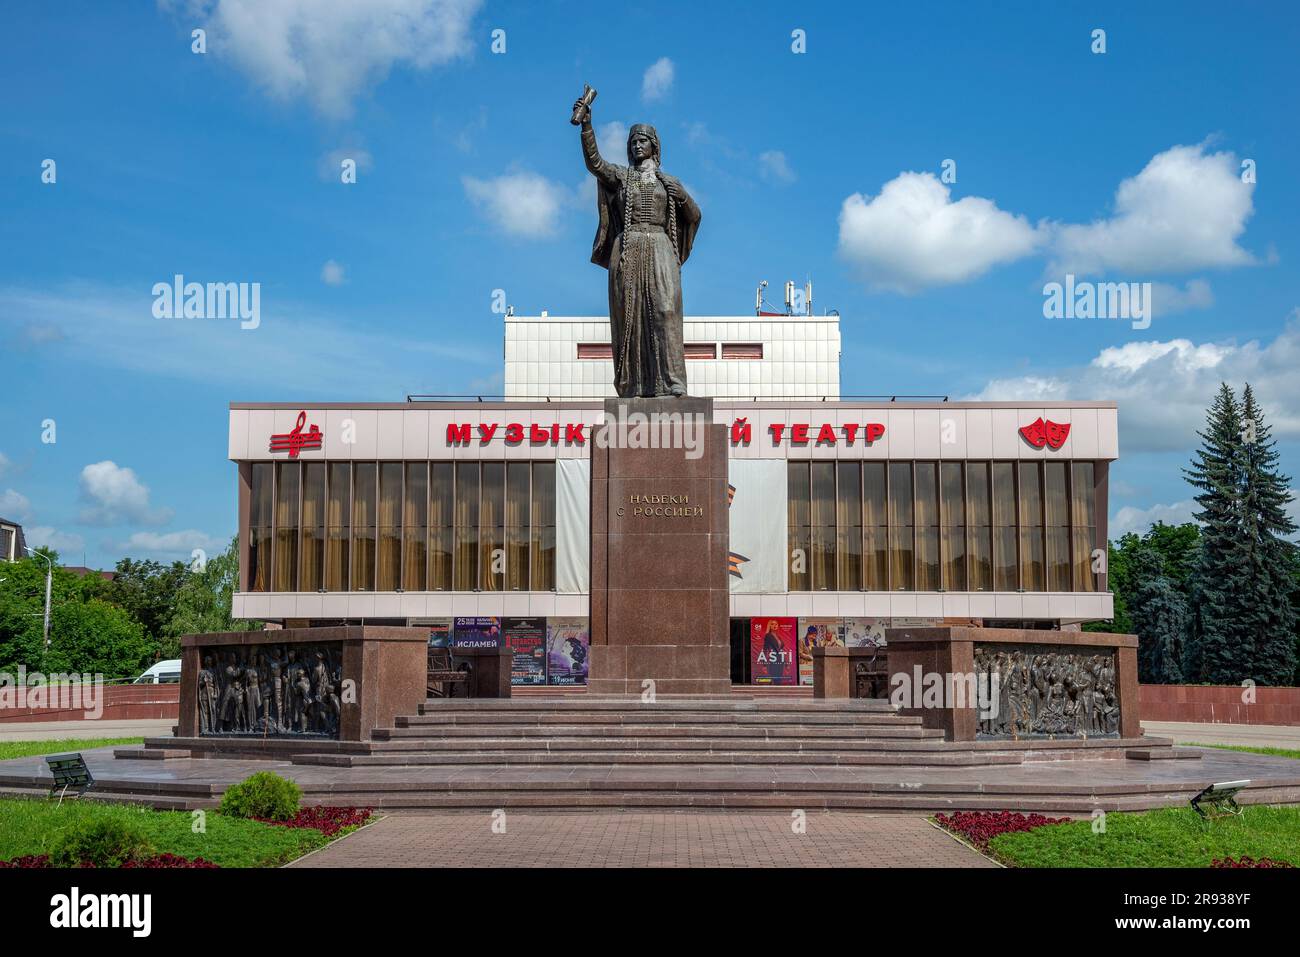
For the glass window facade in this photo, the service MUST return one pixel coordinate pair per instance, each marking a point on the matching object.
(414, 526)
(952, 526)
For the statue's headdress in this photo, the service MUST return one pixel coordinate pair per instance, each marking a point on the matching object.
(650, 132)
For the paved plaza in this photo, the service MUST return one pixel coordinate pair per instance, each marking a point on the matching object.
(647, 839)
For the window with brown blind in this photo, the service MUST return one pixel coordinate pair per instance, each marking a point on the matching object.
(956, 526)
(742, 350)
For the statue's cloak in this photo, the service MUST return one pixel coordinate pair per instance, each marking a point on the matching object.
(610, 213)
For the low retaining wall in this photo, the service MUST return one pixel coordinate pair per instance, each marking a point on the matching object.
(1219, 704)
(119, 702)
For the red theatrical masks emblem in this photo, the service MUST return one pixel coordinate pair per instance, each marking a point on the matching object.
(295, 441)
(1057, 433)
(1051, 434)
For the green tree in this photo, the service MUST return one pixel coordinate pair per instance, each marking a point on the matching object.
(94, 637)
(203, 603)
(147, 590)
(1160, 618)
(1178, 548)
(1267, 612)
(22, 608)
(1220, 650)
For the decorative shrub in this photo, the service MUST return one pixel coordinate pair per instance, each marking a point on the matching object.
(980, 827)
(101, 843)
(160, 860)
(1248, 862)
(171, 860)
(328, 820)
(265, 796)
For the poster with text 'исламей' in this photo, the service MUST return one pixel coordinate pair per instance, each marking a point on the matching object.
(476, 633)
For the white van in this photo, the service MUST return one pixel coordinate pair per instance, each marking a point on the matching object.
(163, 673)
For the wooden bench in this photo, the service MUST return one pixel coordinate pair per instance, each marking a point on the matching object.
(442, 679)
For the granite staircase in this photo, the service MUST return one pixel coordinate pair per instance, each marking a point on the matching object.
(572, 751)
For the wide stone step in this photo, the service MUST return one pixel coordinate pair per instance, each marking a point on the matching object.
(407, 728)
(159, 802)
(384, 741)
(663, 758)
(547, 718)
(662, 703)
(776, 798)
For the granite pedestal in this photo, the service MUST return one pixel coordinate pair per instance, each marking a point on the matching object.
(659, 592)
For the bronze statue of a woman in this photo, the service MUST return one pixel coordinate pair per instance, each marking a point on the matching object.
(647, 227)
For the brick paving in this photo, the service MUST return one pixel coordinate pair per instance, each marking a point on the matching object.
(647, 839)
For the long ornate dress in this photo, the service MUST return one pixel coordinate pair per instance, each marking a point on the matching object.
(647, 226)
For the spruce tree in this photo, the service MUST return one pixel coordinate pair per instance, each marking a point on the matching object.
(1268, 614)
(1160, 619)
(1220, 650)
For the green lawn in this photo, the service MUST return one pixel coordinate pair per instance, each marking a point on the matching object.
(24, 749)
(1171, 837)
(1276, 752)
(32, 826)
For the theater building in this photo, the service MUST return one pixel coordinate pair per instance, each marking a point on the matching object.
(846, 514)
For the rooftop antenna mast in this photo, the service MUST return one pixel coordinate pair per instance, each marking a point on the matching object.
(758, 297)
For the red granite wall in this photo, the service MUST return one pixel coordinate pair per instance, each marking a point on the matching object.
(120, 702)
(1218, 704)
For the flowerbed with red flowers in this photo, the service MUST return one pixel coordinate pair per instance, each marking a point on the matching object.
(328, 820)
(158, 860)
(980, 827)
(1248, 862)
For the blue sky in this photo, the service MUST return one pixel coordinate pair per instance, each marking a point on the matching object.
(826, 164)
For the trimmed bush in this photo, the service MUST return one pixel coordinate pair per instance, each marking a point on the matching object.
(101, 843)
(263, 795)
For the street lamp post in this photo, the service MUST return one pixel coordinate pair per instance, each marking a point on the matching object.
(49, 580)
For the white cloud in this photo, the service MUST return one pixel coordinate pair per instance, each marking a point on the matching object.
(14, 505)
(1130, 519)
(33, 335)
(1167, 300)
(519, 203)
(329, 51)
(322, 350)
(1164, 387)
(611, 139)
(658, 80)
(43, 536)
(913, 235)
(331, 273)
(1185, 210)
(171, 543)
(330, 167)
(117, 497)
(773, 167)
(5, 464)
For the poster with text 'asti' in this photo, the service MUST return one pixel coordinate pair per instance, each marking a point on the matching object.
(771, 651)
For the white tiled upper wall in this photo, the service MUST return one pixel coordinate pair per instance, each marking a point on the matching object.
(801, 358)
